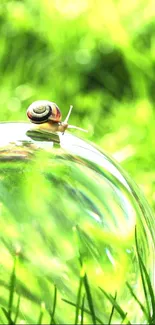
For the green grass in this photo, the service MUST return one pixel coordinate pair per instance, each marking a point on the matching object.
(85, 298)
(98, 57)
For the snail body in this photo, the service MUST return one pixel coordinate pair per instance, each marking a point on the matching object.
(48, 116)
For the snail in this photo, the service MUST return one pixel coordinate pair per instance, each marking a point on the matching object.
(48, 116)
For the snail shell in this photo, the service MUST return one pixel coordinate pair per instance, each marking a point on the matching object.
(42, 111)
(48, 116)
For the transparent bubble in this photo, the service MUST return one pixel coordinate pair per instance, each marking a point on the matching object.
(64, 203)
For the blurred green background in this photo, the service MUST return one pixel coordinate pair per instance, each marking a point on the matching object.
(98, 56)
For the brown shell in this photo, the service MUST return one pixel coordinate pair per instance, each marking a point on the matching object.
(42, 111)
(56, 113)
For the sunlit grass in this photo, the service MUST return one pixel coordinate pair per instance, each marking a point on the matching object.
(97, 56)
(83, 307)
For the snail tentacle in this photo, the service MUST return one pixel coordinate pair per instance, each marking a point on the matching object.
(48, 116)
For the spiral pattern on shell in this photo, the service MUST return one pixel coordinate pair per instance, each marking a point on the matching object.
(41, 111)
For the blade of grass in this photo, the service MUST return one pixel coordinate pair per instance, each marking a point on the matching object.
(89, 299)
(78, 300)
(10, 321)
(115, 304)
(112, 311)
(138, 301)
(12, 287)
(124, 319)
(40, 317)
(84, 309)
(52, 314)
(141, 267)
(42, 308)
(149, 285)
(88, 291)
(17, 310)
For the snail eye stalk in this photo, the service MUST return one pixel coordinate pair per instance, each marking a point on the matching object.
(48, 116)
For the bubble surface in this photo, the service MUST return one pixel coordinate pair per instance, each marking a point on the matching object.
(63, 202)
